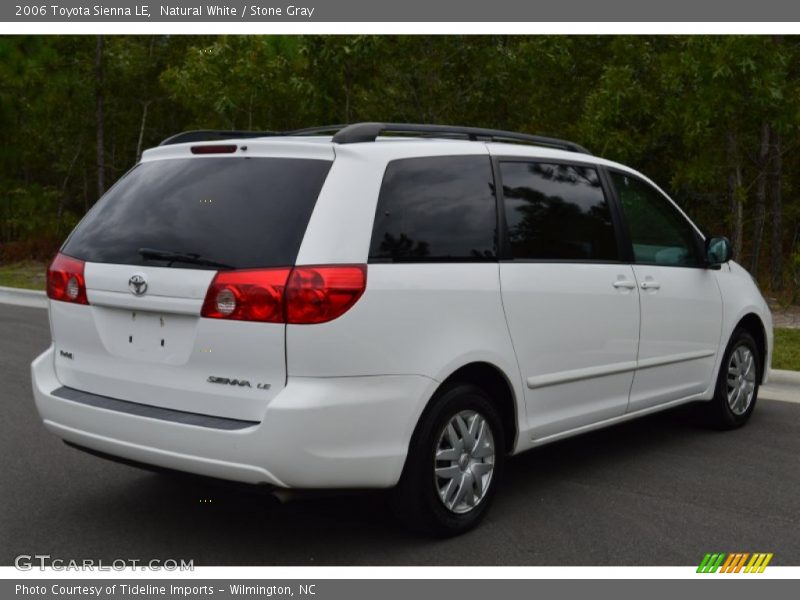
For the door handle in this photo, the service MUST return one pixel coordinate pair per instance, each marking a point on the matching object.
(624, 283)
(651, 285)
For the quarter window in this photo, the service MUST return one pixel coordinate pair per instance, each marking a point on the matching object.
(659, 233)
(436, 209)
(557, 212)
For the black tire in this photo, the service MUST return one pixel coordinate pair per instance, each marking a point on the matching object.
(719, 413)
(416, 499)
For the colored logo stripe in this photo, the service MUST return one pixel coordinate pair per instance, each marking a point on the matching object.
(758, 563)
(711, 563)
(734, 562)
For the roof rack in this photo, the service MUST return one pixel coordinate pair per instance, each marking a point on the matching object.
(316, 130)
(210, 135)
(369, 132)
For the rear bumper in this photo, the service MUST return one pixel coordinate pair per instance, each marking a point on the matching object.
(337, 432)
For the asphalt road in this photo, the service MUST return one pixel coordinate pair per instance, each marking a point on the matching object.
(658, 491)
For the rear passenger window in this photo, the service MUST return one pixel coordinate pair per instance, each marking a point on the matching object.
(557, 212)
(436, 209)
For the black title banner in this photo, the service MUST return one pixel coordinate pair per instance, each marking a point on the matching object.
(406, 11)
(397, 589)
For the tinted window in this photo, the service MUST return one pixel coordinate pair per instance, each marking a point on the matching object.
(439, 208)
(556, 212)
(242, 212)
(659, 233)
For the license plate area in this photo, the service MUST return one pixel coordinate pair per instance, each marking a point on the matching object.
(146, 336)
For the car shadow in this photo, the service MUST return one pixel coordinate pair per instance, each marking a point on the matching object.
(158, 515)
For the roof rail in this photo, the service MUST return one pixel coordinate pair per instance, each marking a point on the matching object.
(368, 132)
(210, 135)
(315, 130)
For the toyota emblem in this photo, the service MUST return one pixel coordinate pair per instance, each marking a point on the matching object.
(137, 285)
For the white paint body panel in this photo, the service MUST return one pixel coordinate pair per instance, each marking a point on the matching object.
(575, 336)
(345, 396)
(740, 297)
(315, 433)
(680, 334)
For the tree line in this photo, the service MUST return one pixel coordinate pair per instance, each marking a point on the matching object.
(713, 119)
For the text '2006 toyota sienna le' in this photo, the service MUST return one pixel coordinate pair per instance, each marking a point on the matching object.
(391, 306)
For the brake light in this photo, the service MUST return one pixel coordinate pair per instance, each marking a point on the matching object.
(215, 149)
(65, 281)
(251, 295)
(321, 294)
(303, 295)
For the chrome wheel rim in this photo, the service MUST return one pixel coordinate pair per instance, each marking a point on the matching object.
(741, 382)
(464, 461)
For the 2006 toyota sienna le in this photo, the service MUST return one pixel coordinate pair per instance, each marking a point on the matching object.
(386, 306)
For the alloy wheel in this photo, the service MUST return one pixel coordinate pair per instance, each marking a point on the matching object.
(464, 461)
(741, 381)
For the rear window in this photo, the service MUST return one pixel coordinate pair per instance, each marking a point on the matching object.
(435, 209)
(239, 212)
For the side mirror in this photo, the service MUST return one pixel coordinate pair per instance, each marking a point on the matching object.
(718, 251)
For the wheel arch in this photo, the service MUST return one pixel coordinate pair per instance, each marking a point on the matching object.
(753, 324)
(496, 383)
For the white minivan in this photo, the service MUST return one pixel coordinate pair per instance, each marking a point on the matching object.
(386, 306)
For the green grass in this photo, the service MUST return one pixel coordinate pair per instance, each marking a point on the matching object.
(787, 349)
(29, 275)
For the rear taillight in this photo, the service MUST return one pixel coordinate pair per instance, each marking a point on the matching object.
(320, 294)
(255, 295)
(303, 295)
(65, 281)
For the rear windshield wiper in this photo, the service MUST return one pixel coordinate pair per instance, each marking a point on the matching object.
(184, 257)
